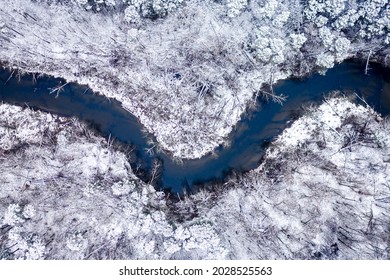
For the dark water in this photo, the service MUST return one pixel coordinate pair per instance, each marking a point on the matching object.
(247, 140)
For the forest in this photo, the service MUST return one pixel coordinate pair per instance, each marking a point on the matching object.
(189, 70)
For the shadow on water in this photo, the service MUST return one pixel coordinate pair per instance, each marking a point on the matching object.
(248, 139)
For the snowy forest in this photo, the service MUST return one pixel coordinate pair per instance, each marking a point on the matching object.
(189, 70)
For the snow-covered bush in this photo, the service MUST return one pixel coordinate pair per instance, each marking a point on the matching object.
(76, 242)
(13, 215)
(321, 21)
(152, 8)
(342, 48)
(26, 246)
(131, 15)
(334, 7)
(28, 211)
(81, 2)
(297, 40)
(281, 19)
(235, 7)
(327, 37)
(98, 5)
(269, 8)
(366, 18)
(123, 187)
(346, 20)
(268, 49)
(325, 61)
(30, 131)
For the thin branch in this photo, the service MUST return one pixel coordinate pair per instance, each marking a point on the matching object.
(367, 63)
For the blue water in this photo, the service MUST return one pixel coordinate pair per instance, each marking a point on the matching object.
(248, 139)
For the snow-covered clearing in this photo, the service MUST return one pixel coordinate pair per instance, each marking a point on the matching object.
(322, 192)
(188, 69)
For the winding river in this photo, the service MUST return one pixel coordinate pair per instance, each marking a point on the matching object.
(248, 139)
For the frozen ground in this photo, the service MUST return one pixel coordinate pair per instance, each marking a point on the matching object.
(322, 192)
(188, 69)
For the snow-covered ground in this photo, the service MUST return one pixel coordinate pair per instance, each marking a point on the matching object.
(322, 192)
(68, 194)
(188, 69)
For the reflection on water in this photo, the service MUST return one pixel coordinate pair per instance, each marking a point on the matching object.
(247, 140)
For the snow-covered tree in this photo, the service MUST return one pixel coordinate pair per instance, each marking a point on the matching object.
(235, 7)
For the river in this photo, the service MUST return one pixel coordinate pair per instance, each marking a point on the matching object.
(247, 140)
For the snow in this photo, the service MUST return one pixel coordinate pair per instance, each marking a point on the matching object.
(235, 7)
(131, 15)
(325, 61)
(316, 195)
(11, 216)
(71, 195)
(330, 115)
(297, 40)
